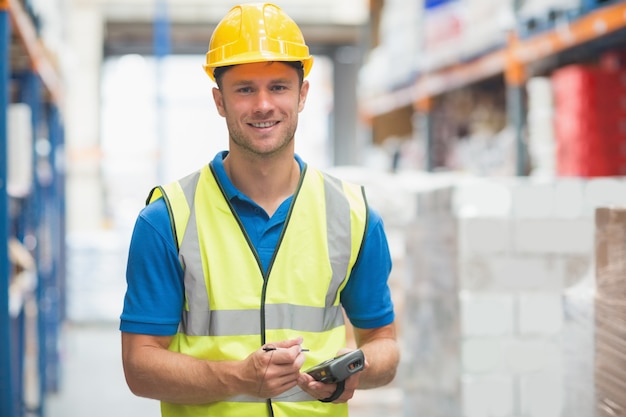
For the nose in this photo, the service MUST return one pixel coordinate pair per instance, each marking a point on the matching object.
(263, 102)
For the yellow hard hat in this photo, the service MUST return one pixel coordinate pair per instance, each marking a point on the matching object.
(256, 32)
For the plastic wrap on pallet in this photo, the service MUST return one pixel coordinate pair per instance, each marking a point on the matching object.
(610, 311)
(432, 313)
(578, 348)
(611, 253)
(610, 353)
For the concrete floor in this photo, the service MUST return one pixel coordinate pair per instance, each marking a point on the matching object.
(92, 381)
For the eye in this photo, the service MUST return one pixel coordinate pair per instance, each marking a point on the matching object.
(279, 87)
(245, 90)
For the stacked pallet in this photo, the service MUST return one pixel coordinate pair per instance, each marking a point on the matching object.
(610, 308)
(498, 316)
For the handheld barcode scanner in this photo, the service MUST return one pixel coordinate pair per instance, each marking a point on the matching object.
(339, 368)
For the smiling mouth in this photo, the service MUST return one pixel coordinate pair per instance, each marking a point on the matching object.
(264, 124)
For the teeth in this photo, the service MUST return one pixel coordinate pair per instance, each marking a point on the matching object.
(265, 124)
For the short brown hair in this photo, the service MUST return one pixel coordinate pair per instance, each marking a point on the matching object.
(218, 72)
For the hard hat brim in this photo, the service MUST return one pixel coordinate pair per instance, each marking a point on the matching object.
(254, 57)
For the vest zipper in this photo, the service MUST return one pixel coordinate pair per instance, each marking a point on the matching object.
(266, 276)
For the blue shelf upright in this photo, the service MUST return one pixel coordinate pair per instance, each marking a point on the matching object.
(31, 220)
(6, 376)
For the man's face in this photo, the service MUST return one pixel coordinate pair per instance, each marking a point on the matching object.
(261, 102)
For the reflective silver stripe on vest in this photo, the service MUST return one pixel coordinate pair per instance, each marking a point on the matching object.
(338, 232)
(295, 394)
(195, 287)
(188, 185)
(200, 321)
(278, 316)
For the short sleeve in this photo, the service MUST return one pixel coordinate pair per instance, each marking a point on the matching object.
(154, 277)
(367, 296)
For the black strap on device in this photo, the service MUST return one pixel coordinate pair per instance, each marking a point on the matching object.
(341, 385)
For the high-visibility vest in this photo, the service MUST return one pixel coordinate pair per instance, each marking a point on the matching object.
(232, 307)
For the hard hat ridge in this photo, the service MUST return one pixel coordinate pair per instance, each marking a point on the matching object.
(256, 32)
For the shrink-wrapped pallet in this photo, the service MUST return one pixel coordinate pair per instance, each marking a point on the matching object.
(610, 311)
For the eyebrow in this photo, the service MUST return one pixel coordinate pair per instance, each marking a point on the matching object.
(281, 80)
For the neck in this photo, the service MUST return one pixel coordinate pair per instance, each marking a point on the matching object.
(268, 182)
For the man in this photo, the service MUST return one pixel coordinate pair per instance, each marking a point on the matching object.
(239, 274)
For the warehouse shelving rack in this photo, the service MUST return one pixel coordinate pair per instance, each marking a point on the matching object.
(35, 221)
(600, 20)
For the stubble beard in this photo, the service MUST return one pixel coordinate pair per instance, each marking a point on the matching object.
(248, 146)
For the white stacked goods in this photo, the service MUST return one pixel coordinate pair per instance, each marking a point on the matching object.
(459, 30)
(499, 305)
(393, 62)
(529, 8)
(487, 24)
(402, 200)
(514, 269)
(535, 16)
(610, 311)
(444, 27)
(540, 122)
(494, 287)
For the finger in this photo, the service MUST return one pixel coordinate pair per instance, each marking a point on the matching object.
(316, 389)
(304, 379)
(293, 356)
(352, 382)
(286, 344)
(335, 394)
(299, 361)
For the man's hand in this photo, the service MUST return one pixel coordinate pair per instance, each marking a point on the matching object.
(321, 391)
(275, 368)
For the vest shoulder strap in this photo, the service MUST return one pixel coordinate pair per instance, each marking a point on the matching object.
(174, 196)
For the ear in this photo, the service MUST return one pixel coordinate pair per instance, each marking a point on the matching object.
(304, 91)
(219, 101)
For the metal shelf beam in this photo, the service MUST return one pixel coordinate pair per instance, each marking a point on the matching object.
(510, 62)
(41, 64)
(596, 24)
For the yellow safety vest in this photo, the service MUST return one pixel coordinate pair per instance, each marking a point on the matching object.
(232, 307)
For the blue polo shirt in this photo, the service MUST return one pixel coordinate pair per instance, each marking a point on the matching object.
(155, 290)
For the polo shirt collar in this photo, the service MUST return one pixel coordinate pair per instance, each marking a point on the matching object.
(229, 188)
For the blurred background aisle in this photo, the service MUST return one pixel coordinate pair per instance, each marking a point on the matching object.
(490, 135)
(92, 378)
